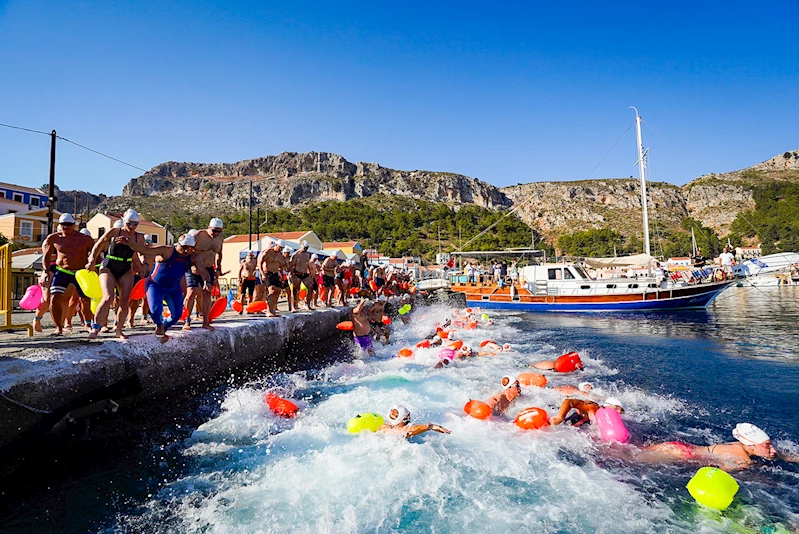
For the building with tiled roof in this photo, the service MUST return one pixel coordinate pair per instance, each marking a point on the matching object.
(347, 247)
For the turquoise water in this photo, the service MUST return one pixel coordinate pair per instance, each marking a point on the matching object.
(237, 468)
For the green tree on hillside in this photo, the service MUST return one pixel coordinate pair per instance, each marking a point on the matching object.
(774, 220)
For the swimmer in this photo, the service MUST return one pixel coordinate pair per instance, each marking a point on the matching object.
(492, 348)
(751, 442)
(584, 388)
(443, 362)
(209, 249)
(399, 423)
(465, 351)
(361, 330)
(511, 389)
(375, 313)
(584, 411)
(549, 365)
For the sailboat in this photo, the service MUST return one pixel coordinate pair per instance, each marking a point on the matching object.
(568, 286)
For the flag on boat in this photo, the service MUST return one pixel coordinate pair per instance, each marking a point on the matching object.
(759, 263)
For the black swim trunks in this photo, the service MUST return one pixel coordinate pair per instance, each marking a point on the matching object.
(195, 280)
(273, 280)
(61, 280)
(248, 285)
(328, 281)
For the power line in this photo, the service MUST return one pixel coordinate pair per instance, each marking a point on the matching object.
(74, 143)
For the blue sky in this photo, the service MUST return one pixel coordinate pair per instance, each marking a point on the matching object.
(505, 92)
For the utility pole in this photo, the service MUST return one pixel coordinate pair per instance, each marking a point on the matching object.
(51, 199)
(249, 244)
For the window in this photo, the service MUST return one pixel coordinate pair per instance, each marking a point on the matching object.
(35, 202)
(100, 232)
(567, 274)
(17, 197)
(154, 237)
(555, 274)
(26, 229)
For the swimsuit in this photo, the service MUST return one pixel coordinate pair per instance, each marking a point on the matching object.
(365, 342)
(576, 419)
(328, 281)
(164, 285)
(119, 259)
(379, 282)
(273, 280)
(248, 285)
(195, 280)
(61, 280)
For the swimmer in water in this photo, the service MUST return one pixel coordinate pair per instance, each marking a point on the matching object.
(465, 351)
(584, 411)
(493, 349)
(584, 388)
(399, 424)
(752, 442)
(361, 329)
(511, 390)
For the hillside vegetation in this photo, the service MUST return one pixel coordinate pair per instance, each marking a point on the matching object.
(394, 225)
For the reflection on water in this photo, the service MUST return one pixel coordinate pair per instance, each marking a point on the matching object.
(750, 322)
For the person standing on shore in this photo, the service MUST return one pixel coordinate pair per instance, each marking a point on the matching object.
(72, 251)
(727, 260)
(116, 272)
(329, 268)
(313, 273)
(271, 262)
(172, 262)
(209, 247)
(247, 277)
(300, 274)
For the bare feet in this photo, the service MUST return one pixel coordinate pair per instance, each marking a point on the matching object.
(187, 326)
(37, 326)
(121, 335)
(163, 339)
(272, 314)
(68, 329)
(105, 330)
(208, 327)
(58, 332)
(161, 335)
(93, 334)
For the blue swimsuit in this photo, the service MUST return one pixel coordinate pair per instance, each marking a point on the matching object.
(163, 284)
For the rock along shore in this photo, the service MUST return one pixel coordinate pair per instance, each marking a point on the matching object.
(56, 379)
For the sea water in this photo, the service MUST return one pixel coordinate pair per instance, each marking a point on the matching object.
(681, 376)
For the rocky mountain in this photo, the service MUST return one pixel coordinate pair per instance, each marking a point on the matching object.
(290, 179)
(293, 179)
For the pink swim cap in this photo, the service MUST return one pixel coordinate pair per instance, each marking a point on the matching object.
(446, 353)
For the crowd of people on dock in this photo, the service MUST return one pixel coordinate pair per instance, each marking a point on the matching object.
(168, 282)
(580, 408)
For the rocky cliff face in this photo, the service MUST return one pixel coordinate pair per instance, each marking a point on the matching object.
(290, 179)
(556, 208)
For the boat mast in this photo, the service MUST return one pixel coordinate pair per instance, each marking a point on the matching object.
(641, 171)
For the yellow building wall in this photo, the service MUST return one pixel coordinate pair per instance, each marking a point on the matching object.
(7, 227)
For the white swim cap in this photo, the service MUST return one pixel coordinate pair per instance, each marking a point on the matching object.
(289, 250)
(119, 224)
(187, 240)
(86, 231)
(304, 244)
(280, 243)
(613, 401)
(216, 222)
(585, 387)
(509, 381)
(67, 218)
(403, 415)
(130, 216)
(445, 361)
(465, 348)
(314, 256)
(506, 347)
(749, 434)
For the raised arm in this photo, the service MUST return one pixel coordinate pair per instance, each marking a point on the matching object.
(359, 307)
(415, 430)
(164, 250)
(101, 244)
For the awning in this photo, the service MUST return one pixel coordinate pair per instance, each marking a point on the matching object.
(637, 260)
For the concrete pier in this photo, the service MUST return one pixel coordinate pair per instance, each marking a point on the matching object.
(52, 378)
